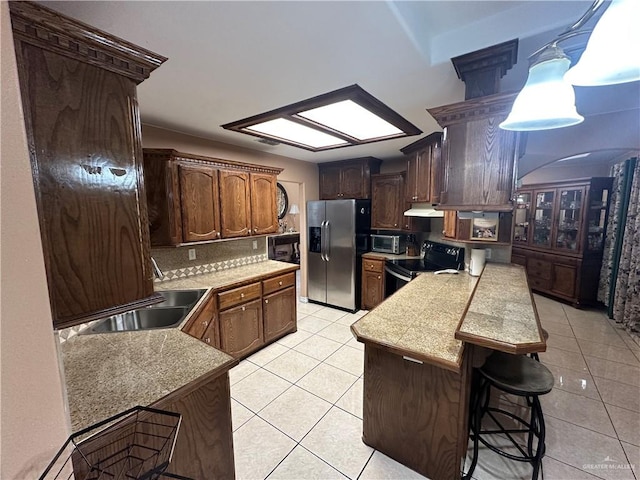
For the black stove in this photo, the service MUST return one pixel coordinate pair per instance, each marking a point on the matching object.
(435, 256)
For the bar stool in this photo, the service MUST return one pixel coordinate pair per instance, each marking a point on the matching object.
(518, 375)
(545, 334)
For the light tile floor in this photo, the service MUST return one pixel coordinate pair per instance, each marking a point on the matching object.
(297, 404)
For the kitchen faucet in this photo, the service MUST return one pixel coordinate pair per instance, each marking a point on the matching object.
(156, 269)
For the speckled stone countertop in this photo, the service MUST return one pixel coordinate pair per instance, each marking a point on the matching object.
(421, 318)
(502, 314)
(390, 256)
(428, 319)
(108, 373)
(229, 277)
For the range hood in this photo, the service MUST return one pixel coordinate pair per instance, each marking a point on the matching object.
(423, 210)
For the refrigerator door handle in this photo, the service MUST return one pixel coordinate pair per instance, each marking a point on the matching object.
(327, 244)
(322, 240)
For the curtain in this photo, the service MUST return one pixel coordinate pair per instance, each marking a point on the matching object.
(626, 299)
(609, 259)
(619, 286)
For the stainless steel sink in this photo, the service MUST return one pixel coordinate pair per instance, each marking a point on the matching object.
(179, 298)
(166, 314)
(143, 319)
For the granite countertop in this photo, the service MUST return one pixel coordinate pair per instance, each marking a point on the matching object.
(108, 373)
(431, 317)
(229, 277)
(420, 319)
(502, 314)
(390, 256)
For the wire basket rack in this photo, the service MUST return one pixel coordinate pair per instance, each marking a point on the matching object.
(135, 444)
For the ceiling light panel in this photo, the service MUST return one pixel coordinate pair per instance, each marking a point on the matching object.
(352, 119)
(344, 117)
(294, 132)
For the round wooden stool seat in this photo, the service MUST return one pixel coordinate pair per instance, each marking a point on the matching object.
(517, 374)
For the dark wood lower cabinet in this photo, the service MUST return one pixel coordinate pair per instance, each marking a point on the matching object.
(416, 413)
(241, 329)
(569, 278)
(279, 313)
(372, 282)
(204, 449)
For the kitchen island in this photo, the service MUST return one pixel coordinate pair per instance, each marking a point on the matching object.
(168, 369)
(417, 372)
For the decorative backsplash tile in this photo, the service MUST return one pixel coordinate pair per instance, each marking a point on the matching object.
(175, 258)
(210, 268)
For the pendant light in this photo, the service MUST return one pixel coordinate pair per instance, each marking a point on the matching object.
(612, 54)
(547, 100)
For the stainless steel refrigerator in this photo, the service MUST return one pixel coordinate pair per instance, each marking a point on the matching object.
(338, 236)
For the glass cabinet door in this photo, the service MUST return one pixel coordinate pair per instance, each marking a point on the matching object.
(596, 219)
(543, 218)
(522, 214)
(569, 219)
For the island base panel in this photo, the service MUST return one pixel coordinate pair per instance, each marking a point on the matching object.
(204, 448)
(416, 413)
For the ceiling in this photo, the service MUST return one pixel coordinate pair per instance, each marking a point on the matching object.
(230, 60)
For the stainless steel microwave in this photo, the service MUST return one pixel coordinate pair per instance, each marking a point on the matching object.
(395, 244)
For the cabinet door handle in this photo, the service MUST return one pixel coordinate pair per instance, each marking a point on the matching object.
(218, 234)
(266, 301)
(205, 323)
(244, 308)
(207, 340)
(280, 283)
(242, 295)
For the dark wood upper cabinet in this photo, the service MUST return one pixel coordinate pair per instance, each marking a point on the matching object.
(78, 89)
(479, 158)
(424, 171)
(200, 203)
(387, 205)
(235, 203)
(192, 198)
(347, 178)
(264, 217)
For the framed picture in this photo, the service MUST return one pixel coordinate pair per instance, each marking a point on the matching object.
(484, 229)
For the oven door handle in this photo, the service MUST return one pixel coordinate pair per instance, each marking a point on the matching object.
(397, 275)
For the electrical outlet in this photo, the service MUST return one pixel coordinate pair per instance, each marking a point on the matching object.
(255, 244)
(487, 253)
(192, 254)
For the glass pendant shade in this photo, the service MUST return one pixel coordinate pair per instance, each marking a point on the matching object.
(547, 100)
(612, 54)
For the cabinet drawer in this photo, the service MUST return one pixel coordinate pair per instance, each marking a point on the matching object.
(372, 265)
(539, 283)
(539, 268)
(278, 283)
(238, 295)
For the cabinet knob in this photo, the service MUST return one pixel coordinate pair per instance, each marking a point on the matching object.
(266, 301)
(207, 340)
(244, 308)
(395, 224)
(218, 234)
(255, 230)
(205, 323)
(379, 277)
(371, 265)
(280, 283)
(242, 295)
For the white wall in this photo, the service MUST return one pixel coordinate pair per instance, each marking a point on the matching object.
(34, 421)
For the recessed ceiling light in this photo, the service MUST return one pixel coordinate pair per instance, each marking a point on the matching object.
(345, 117)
